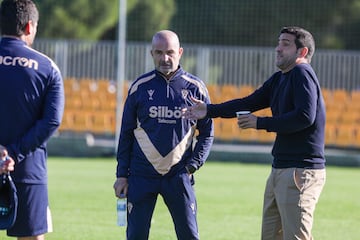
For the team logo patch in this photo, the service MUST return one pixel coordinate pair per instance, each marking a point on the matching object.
(184, 93)
(192, 206)
(151, 93)
(130, 207)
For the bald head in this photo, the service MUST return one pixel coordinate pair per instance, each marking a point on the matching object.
(167, 36)
(166, 52)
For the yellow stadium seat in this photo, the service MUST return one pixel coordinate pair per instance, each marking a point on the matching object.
(330, 134)
(217, 128)
(82, 121)
(345, 135)
(104, 122)
(265, 137)
(327, 94)
(228, 92)
(355, 95)
(337, 100)
(73, 102)
(266, 112)
(87, 84)
(228, 130)
(357, 136)
(249, 134)
(102, 85)
(245, 90)
(214, 93)
(350, 117)
(67, 123)
(333, 116)
(335, 106)
(354, 103)
(340, 95)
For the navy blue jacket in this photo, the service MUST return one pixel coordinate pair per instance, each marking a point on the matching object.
(298, 116)
(155, 140)
(31, 107)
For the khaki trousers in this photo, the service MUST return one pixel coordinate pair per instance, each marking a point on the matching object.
(290, 198)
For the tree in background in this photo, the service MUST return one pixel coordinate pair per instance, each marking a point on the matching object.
(257, 22)
(349, 24)
(148, 17)
(334, 23)
(78, 19)
(98, 19)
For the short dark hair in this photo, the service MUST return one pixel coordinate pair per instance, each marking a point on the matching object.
(15, 14)
(303, 38)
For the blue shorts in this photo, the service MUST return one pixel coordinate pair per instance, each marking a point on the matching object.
(33, 214)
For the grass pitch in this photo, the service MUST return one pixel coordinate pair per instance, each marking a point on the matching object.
(229, 197)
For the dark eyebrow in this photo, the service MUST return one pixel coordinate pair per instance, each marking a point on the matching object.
(284, 39)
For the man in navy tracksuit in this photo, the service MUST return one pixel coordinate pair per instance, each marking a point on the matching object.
(31, 106)
(157, 153)
(298, 169)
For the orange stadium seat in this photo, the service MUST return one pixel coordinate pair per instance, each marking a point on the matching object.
(228, 92)
(355, 95)
(228, 130)
(345, 135)
(90, 106)
(104, 122)
(217, 128)
(265, 137)
(357, 136)
(354, 102)
(82, 121)
(330, 134)
(247, 134)
(245, 90)
(214, 93)
(350, 117)
(67, 123)
(333, 116)
(340, 95)
(327, 94)
(73, 102)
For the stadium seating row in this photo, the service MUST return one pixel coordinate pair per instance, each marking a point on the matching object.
(91, 107)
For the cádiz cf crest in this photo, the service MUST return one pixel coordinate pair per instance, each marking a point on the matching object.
(184, 93)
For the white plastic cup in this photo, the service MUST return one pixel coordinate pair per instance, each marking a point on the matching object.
(242, 113)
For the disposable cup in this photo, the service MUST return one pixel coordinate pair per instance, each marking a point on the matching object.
(242, 113)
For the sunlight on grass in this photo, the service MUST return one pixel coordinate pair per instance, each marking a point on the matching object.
(229, 197)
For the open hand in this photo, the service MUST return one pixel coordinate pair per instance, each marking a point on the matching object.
(196, 111)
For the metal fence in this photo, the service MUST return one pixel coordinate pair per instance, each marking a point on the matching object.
(338, 71)
(214, 64)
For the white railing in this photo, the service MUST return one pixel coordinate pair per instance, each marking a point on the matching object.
(214, 64)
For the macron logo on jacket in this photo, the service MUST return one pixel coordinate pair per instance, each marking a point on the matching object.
(19, 61)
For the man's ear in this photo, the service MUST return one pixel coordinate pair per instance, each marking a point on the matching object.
(303, 52)
(27, 28)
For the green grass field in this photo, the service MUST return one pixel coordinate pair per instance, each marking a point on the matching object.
(229, 196)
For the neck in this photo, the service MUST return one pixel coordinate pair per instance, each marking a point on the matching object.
(298, 61)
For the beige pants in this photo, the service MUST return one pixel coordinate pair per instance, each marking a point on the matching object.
(290, 198)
